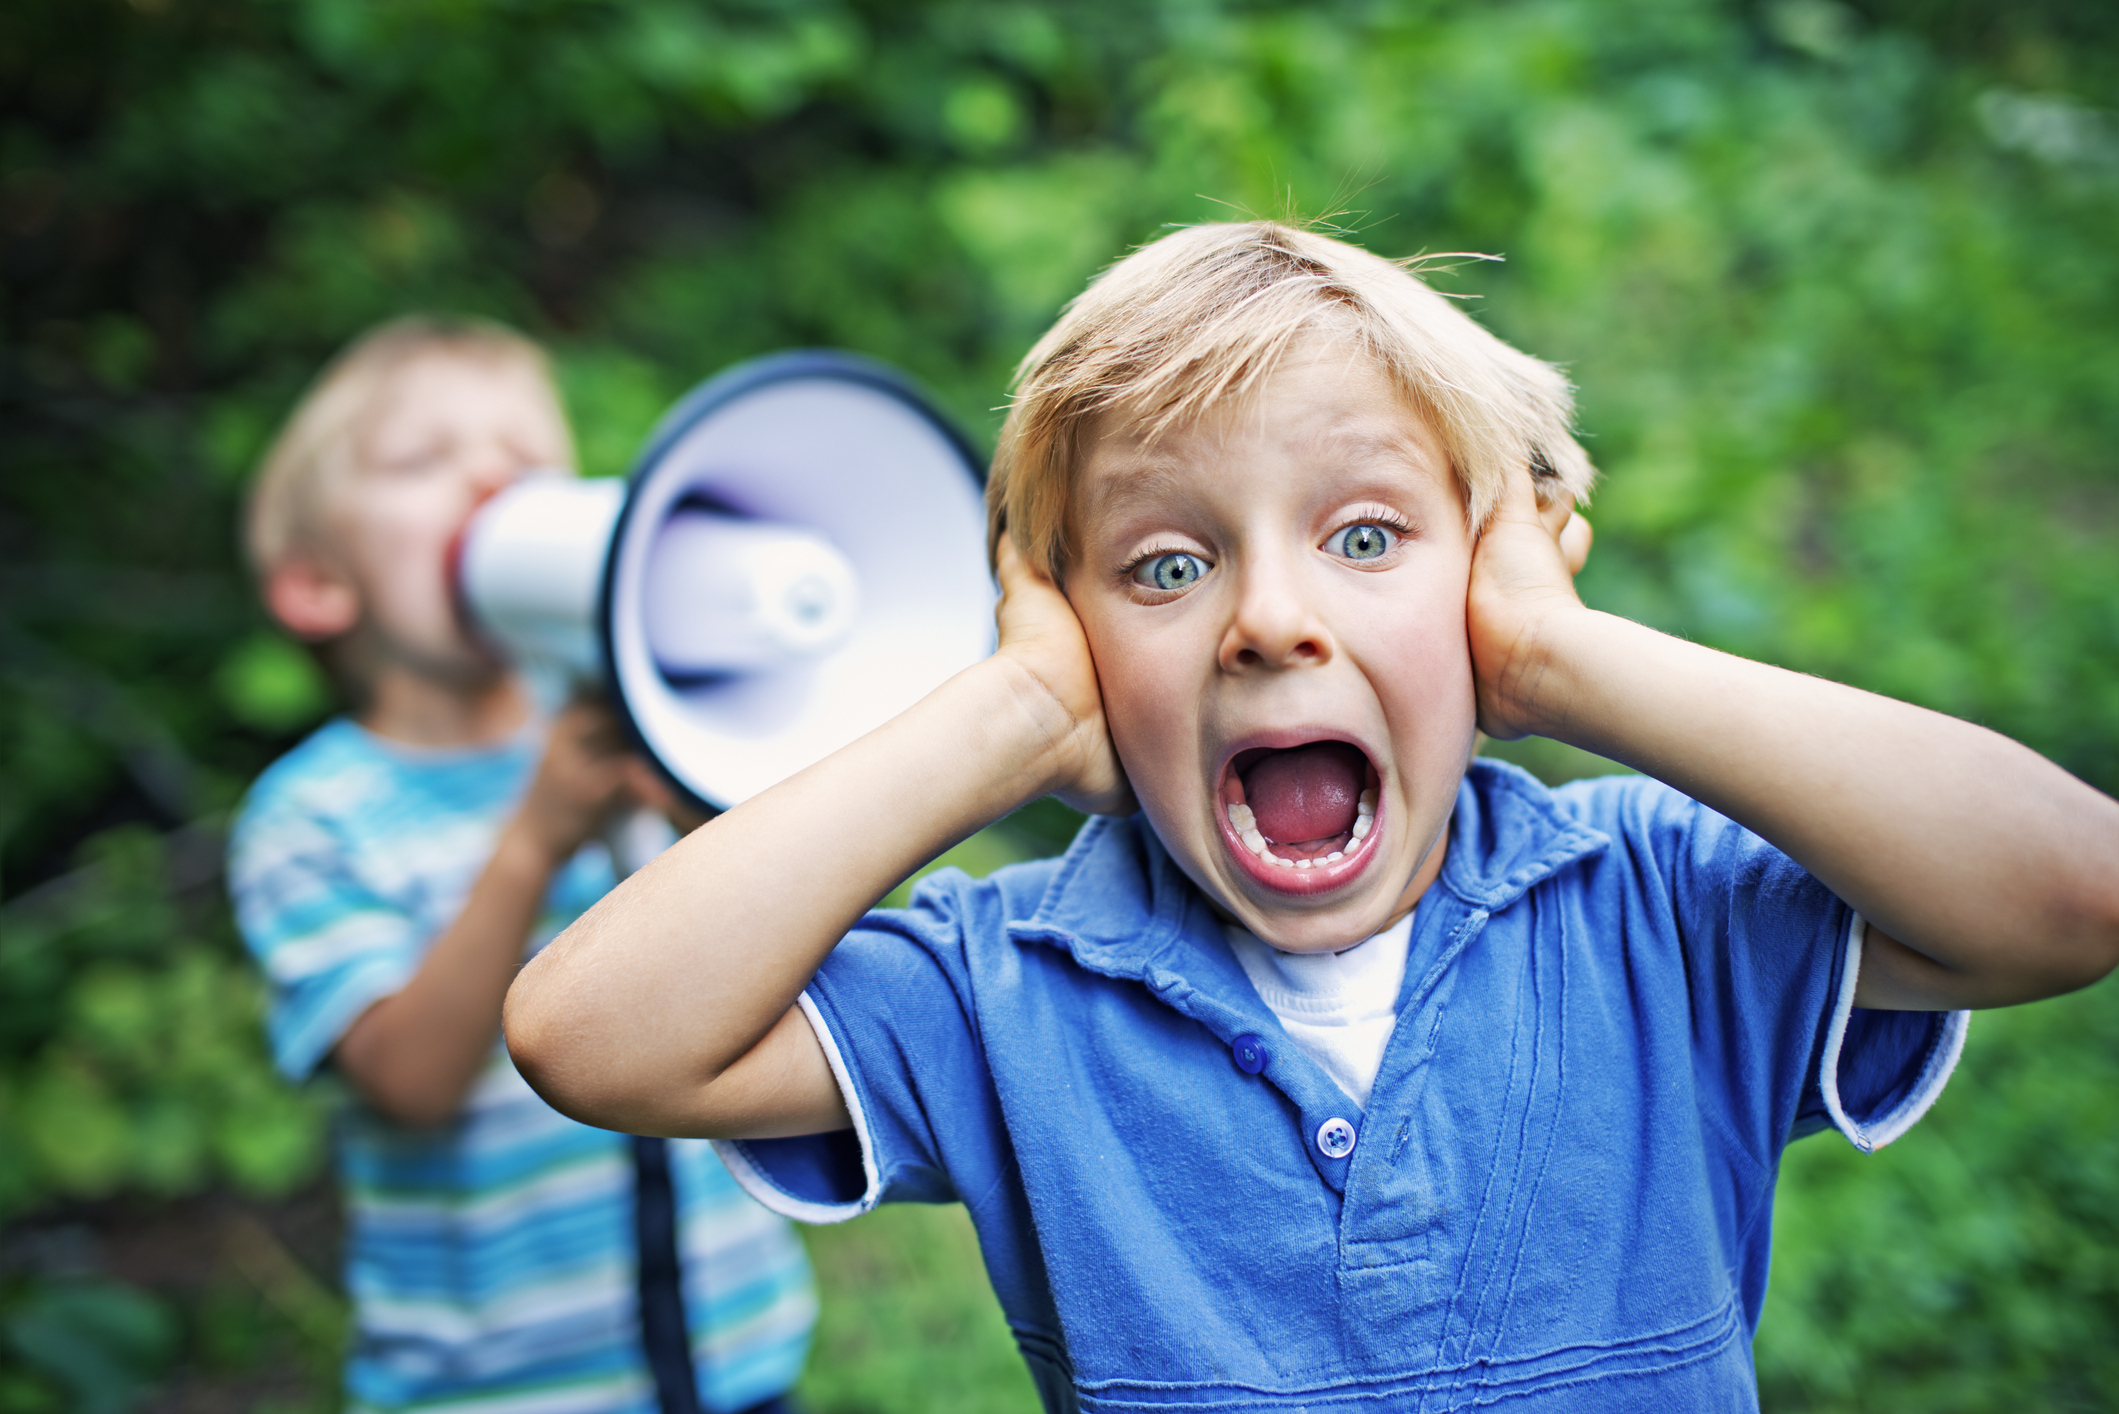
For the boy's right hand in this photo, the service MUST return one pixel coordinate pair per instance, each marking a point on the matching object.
(581, 783)
(1041, 637)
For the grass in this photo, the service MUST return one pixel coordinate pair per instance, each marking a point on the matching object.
(910, 1325)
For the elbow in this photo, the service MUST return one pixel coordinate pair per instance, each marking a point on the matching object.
(2071, 916)
(406, 1096)
(414, 1109)
(2099, 908)
(559, 1057)
(2086, 947)
(536, 1043)
(2099, 957)
(2097, 926)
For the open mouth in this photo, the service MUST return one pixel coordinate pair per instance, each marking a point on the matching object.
(1301, 819)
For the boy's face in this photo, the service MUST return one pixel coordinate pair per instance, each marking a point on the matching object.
(1274, 597)
(447, 431)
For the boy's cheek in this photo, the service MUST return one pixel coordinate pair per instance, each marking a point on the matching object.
(1155, 728)
(1152, 710)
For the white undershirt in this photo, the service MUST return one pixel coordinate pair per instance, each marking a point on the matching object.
(1339, 1008)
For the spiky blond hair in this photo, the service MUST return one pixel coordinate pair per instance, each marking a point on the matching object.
(1204, 314)
(315, 446)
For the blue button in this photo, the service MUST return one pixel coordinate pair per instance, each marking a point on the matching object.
(1250, 1053)
(1335, 1138)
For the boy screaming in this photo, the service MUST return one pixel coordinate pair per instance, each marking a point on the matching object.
(389, 872)
(1332, 1068)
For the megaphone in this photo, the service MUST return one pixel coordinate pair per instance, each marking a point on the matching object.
(797, 557)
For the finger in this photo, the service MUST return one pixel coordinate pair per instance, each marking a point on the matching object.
(589, 725)
(596, 729)
(1554, 517)
(1014, 571)
(646, 786)
(1575, 541)
(1519, 497)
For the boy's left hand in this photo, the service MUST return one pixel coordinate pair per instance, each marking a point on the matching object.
(1522, 584)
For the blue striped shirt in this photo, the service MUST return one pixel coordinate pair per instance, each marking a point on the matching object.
(492, 1261)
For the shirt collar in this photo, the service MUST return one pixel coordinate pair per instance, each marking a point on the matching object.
(1118, 902)
(1509, 834)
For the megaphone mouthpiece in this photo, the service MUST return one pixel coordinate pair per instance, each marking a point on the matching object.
(724, 595)
(531, 569)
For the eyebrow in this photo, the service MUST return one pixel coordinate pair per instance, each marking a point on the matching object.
(1152, 471)
(1367, 444)
(1146, 482)
(1145, 472)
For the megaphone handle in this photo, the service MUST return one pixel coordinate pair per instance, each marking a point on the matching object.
(634, 837)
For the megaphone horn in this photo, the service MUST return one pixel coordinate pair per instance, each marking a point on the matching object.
(798, 555)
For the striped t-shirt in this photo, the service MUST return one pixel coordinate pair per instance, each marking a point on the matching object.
(493, 1261)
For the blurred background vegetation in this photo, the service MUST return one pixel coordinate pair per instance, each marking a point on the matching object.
(1837, 281)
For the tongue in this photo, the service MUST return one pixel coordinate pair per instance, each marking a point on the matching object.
(1306, 793)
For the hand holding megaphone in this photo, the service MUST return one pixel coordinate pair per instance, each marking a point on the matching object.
(797, 557)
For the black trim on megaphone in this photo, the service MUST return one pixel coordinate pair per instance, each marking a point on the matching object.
(712, 395)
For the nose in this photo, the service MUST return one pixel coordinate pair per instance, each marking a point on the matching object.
(1275, 625)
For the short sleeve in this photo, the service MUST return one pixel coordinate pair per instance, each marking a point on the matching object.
(329, 946)
(1878, 1071)
(889, 1009)
(1770, 958)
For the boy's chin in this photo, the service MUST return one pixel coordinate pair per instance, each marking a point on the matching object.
(1331, 926)
(1316, 919)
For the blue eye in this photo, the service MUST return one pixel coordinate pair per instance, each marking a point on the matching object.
(1173, 571)
(1366, 541)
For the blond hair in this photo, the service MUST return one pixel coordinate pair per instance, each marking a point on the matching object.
(1206, 313)
(316, 445)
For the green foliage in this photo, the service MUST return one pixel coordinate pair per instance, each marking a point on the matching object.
(269, 684)
(96, 1344)
(1974, 1264)
(910, 1325)
(1835, 281)
(131, 1056)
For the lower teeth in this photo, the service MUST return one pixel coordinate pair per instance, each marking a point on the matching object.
(1246, 826)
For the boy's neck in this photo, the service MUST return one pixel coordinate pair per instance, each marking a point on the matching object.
(408, 707)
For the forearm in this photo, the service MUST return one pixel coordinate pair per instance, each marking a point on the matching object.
(414, 1054)
(1996, 866)
(650, 1000)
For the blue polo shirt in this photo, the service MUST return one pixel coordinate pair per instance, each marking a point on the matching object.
(1618, 1009)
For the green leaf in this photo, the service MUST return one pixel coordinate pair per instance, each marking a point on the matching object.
(271, 684)
(102, 1341)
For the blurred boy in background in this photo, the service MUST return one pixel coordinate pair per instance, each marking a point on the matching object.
(390, 874)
